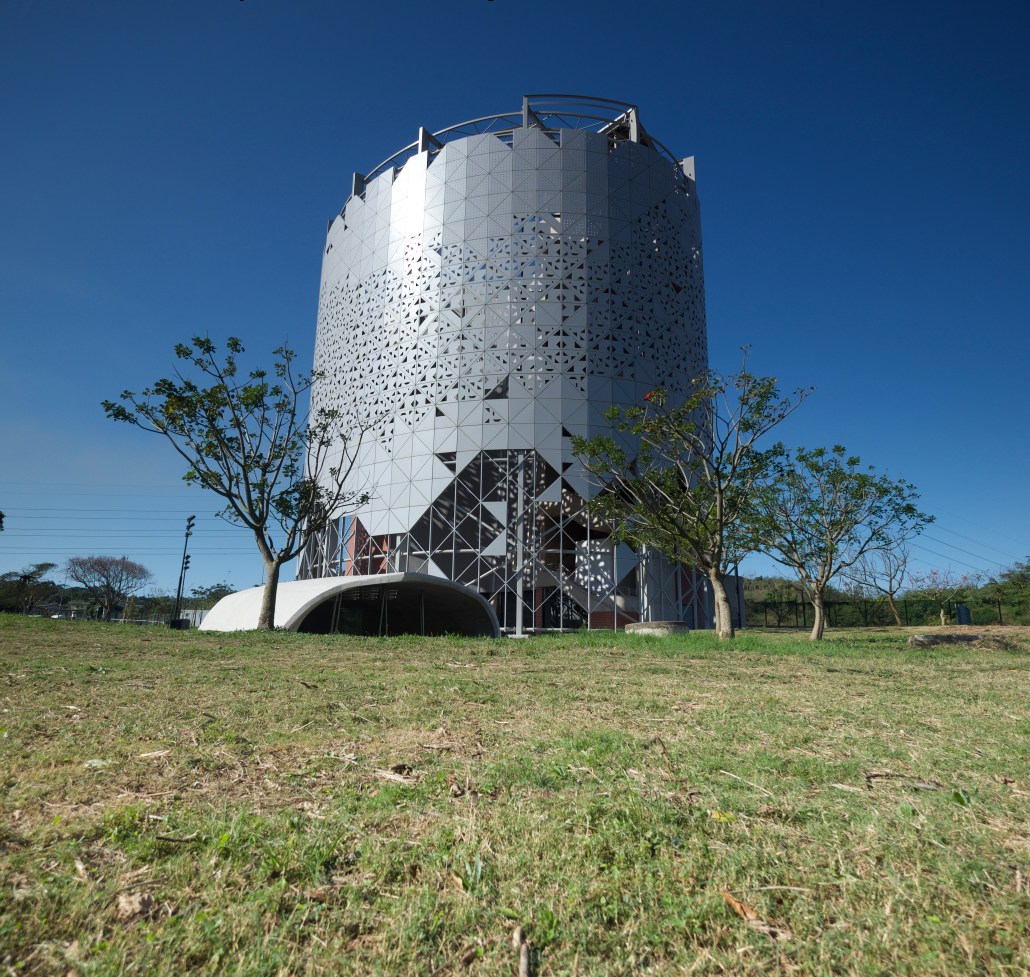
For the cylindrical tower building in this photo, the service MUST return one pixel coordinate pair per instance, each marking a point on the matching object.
(487, 293)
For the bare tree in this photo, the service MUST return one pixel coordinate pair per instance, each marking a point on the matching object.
(883, 572)
(942, 587)
(819, 513)
(109, 579)
(688, 482)
(250, 439)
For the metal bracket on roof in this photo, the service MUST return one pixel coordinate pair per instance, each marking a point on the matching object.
(633, 117)
(426, 140)
(357, 185)
(529, 117)
(629, 123)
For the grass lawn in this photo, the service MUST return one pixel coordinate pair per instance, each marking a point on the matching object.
(176, 803)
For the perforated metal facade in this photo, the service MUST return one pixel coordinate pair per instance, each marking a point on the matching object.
(485, 295)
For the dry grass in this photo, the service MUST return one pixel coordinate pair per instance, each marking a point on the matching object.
(282, 804)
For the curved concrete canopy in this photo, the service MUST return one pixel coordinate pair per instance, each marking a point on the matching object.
(385, 603)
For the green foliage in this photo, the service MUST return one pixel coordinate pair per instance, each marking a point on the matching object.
(681, 476)
(769, 588)
(22, 590)
(1004, 598)
(210, 595)
(1011, 585)
(1017, 578)
(249, 438)
(765, 596)
(820, 511)
(109, 580)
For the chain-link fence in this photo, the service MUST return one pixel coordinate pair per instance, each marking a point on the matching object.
(859, 612)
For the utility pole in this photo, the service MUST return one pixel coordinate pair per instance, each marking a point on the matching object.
(176, 621)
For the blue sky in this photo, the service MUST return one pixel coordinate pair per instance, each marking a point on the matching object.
(169, 169)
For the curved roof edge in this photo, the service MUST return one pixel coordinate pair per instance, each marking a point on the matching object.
(295, 599)
(551, 113)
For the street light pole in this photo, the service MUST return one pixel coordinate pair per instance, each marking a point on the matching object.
(182, 572)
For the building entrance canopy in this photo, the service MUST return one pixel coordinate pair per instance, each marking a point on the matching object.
(379, 605)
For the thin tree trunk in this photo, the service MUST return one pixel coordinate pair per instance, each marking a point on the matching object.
(894, 610)
(716, 613)
(944, 616)
(723, 615)
(819, 618)
(266, 619)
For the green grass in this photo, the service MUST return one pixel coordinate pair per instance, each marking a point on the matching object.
(178, 803)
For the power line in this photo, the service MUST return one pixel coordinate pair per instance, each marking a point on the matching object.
(1023, 545)
(969, 539)
(157, 547)
(108, 533)
(977, 556)
(148, 512)
(121, 486)
(925, 549)
(78, 494)
(153, 551)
